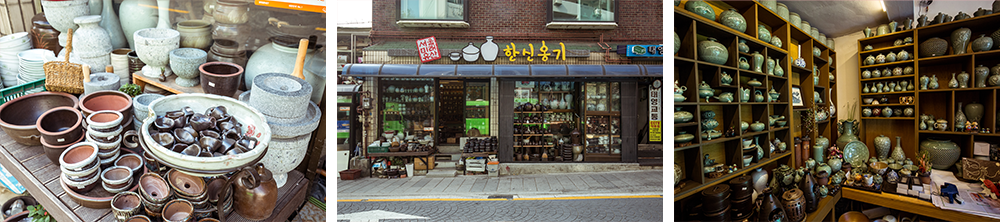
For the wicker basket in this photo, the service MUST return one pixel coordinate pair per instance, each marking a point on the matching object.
(63, 76)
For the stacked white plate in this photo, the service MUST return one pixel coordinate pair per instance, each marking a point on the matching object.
(10, 46)
(31, 64)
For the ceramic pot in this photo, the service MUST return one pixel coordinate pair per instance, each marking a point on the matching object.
(187, 186)
(677, 44)
(933, 47)
(681, 116)
(823, 141)
(195, 34)
(758, 62)
(136, 15)
(700, 8)
(227, 51)
(866, 112)
(232, 32)
(963, 80)
(178, 210)
(92, 42)
(78, 156)
(763, 34)
(982, 43)
(974, 112)
(18, 117)
(870, 60)
(794, 19)
(220, 78)
(959, 39)
(933, 83)
(891, 57)
(106, 100)
(882, 146)
(105, 119)
(126, 204)
(154, 189)
(60, 126)
(743, 64)
(61, 14)
(943, 152)
(757, 126)
(119, 64)
(994, 79)
(279, 57)
(712, 51)
(237, 12)
(135, 64)
(255, 196)
(43, 35)
(153, 45)
(184, 62)
(116, 176)
(981, 73)
(733, 19)
(742, 46)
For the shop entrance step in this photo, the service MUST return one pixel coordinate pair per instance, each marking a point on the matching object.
(441, 171)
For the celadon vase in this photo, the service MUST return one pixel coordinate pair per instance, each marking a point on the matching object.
(846, 129)
(882, 146)
(163, 8)
(897, 152)
(733, 19)
(758, 61)
(981, 73)
(110, 23)
(974, 112)
(959, 39)
(943, 152)
(959, 117)
(710, 50)
(136, 15)
(700, 8)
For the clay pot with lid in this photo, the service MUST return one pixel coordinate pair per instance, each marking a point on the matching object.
(107, 100)
(125, 205)
(220, 78)
(178, 210)
(43, 36)
(60, 126)
(716, 198)
(741, 187)
(18, 117)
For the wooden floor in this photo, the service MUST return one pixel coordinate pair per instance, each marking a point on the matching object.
(40, 177)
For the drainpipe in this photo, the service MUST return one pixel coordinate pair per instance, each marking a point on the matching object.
(607, 53)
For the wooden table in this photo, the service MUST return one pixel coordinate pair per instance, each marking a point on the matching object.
(33, 169)
(170, 85)
(825, 208)
(909, 204)
(425, 154)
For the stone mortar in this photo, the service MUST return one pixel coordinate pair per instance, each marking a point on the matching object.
(284, 154)
(101, 81)
(280, 95)
(287, 128)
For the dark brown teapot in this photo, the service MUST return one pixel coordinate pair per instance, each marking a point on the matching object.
(255, 193)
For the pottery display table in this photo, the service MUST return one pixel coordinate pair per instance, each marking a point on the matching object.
(40, 177)
(171, 85)
(426, 154)
(909, 204)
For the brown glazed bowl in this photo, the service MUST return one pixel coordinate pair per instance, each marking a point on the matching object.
(53, 152)
(116, 175)
(60, 125)
(220, 78)
(154, 188)
(107, 100)
(179, 210)
(18, 117)
(97, 198)
(138, 218)
(126, 204)
(187, 186)
(132, 161)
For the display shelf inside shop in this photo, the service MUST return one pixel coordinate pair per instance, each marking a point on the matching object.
(693, 187)
(170, 85)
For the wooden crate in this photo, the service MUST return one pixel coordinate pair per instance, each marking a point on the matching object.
(15, 16)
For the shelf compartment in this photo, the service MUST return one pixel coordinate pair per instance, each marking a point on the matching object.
(687, 191)
(910, 61)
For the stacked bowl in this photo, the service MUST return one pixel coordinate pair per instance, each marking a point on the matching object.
(60, 128)
(10, 46)
(80, 167)
(155, 192)
(31, 64)
(104, 129)
(191, 188)
(116, 179)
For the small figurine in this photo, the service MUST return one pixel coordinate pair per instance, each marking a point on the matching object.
(968, 126)
(708, 162)
(731, 132)
(975, 126)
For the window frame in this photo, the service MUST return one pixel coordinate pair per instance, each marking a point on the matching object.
(550, 19)
(465, 12)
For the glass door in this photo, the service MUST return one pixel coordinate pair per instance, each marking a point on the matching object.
(603, 121)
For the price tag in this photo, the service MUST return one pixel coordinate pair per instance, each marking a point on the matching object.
(428, 128)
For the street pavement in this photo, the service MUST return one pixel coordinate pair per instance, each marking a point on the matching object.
(546, 209)
(642, 182)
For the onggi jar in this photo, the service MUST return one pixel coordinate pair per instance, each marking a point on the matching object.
(195, 34)
(231, 11)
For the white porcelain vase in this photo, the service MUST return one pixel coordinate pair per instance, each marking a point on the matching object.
(153, 45)
(110, 23)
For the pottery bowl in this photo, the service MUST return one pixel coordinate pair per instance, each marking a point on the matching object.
(105, 133)
(195, 33)
(141, 102)
(60, 126)
(116, 175)
(107, 100)
(110, 161)
(53, 152)
(879, 167)
(184, 62)
(154, 44)
(125, 205)
(18, 117)
(187, 186)
(25, 200)
(178, 210)
(781, 123)
(78, 156)
(80, 187)
(117, 188)
(105, 143)
(220, 78)
(868, 100)
(131, 161)
(252, 121)
(208, 220)
(154, 188)
(747, 159)
(105, 119)
(78, 175)
(138, 218)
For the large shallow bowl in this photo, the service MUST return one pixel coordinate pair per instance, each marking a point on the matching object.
(18, 117)
(253, 122)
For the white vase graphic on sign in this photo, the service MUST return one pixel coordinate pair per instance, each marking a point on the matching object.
(470, 53)
(489, 49)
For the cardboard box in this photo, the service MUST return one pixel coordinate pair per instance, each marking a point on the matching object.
(419, 165)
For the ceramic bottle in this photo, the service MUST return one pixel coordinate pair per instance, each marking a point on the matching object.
(981, 73)
(758, 61)
(136, 15)
(110, 23)
(959, 39)
(43, 36)
(959, 117)
(974, 112)
(933, 84)
(489, 49)
(963, 80)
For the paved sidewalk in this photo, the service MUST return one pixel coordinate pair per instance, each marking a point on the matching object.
(629, 209)
(644, 182)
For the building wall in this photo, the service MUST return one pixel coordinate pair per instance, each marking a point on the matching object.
(638, 20)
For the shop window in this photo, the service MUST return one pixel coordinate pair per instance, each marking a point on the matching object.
(432, 9)
(582, 14)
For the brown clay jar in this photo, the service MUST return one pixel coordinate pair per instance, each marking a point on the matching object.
(221, 78)
(60, 126)
(43, 36)
(255, 203)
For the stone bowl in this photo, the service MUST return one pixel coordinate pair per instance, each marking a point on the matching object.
(18, 117)
(61, 13)
(125, 205)
(253, 124)
(140, 104)
(60, 126)
(184, 63)
(77, 156)
(153, 46)
(178, 210)
(107, 100)
(105, 119)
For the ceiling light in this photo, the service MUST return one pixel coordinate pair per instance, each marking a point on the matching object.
(883, 5)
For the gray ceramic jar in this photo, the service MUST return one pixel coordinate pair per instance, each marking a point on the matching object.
(279, 57)
(733, 19)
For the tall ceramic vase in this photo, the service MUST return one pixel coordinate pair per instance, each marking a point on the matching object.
(882, 146)
(974, 112)
(92, 44)
(136, 15)
(897, 152)
(153, 46)
(846, 129)
(959, 118)
(60, 15)
(163, 10)
(110, 23)
(959, 39)
(95, 6)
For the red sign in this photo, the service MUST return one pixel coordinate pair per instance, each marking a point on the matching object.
(428, 49)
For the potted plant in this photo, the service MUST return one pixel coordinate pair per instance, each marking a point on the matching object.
(924, 166)
(38, 214)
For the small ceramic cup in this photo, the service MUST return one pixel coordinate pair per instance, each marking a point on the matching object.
(125, 205)
(78, 156)
(177, 210)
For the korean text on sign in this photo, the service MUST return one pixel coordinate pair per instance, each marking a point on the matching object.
(511, 52)
(428, 49)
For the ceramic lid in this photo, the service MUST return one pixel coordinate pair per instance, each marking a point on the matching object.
(793, 194)
(717, 191)
(740, 181)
